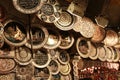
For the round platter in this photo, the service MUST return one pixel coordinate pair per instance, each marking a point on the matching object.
(39, 36)
(14, 33)
(41, 59)
(23, 55)
(54, 40)
(6, 65)
(63, 57)
(54, 67)
(65, 69)
(27, 6)
(82, 46)
(49, 11)
(66, 21)
(66, 41)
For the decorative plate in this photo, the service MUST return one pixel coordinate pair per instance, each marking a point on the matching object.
(14, 33)
(99, 34)
(66, 21)
(66, 41)
(87, 28)
(27, 6)
(49, 11)
(54, 39)
(23, 55)
(2, 13)
(24, 72)
(6, 65)
(110, 54)
(65, 69)
(39, 36)
(56, 77)
(82, 46)
(42, 74)
(77, 24)
(63, 57)
(93, 52)
(101, 51)
(41, 59)
(54, 67)
(116, 55)
(111, 38)
(10, 76)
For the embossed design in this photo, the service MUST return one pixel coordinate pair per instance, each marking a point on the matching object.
(6, 65)
(10, 76)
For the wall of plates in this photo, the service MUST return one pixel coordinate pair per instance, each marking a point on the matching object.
(40, 39)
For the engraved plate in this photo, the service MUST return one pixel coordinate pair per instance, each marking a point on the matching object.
(10, 76)
(6, 65)
(27, 6)
(23, 55)
(41, 59)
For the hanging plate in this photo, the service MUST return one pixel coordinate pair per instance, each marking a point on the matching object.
(39, 36)
(23, 55)
(2, 13)
(82, 46)
(116, 55)
(66, 41)
(111, 38)
(7, 65)
(87, 28)
(49, 11)
(99, 34)
(10, 76)
(66, 21)
(41, 59)
(93, 52)
(101, 51)
(63, 57)
(54, 39)
(42, 74)
(27, 6)
(14, 33)
(54, 67)
(65, 69)
(24, 72)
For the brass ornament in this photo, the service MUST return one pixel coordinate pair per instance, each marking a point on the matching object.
(65, 69)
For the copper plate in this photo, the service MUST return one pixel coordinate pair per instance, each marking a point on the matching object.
(66, 41)
(63, 57)
(65, 69)
(14, 33)
(23, 55)
(27, 6)
(39, 36)
(6, 65)
(41, 59)
(111, 38)
(82, 46)
(54, 39)
(87, 28)
(99, 34)
(54, 67)
(49, 11)
(66, 21)
(42, 74)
